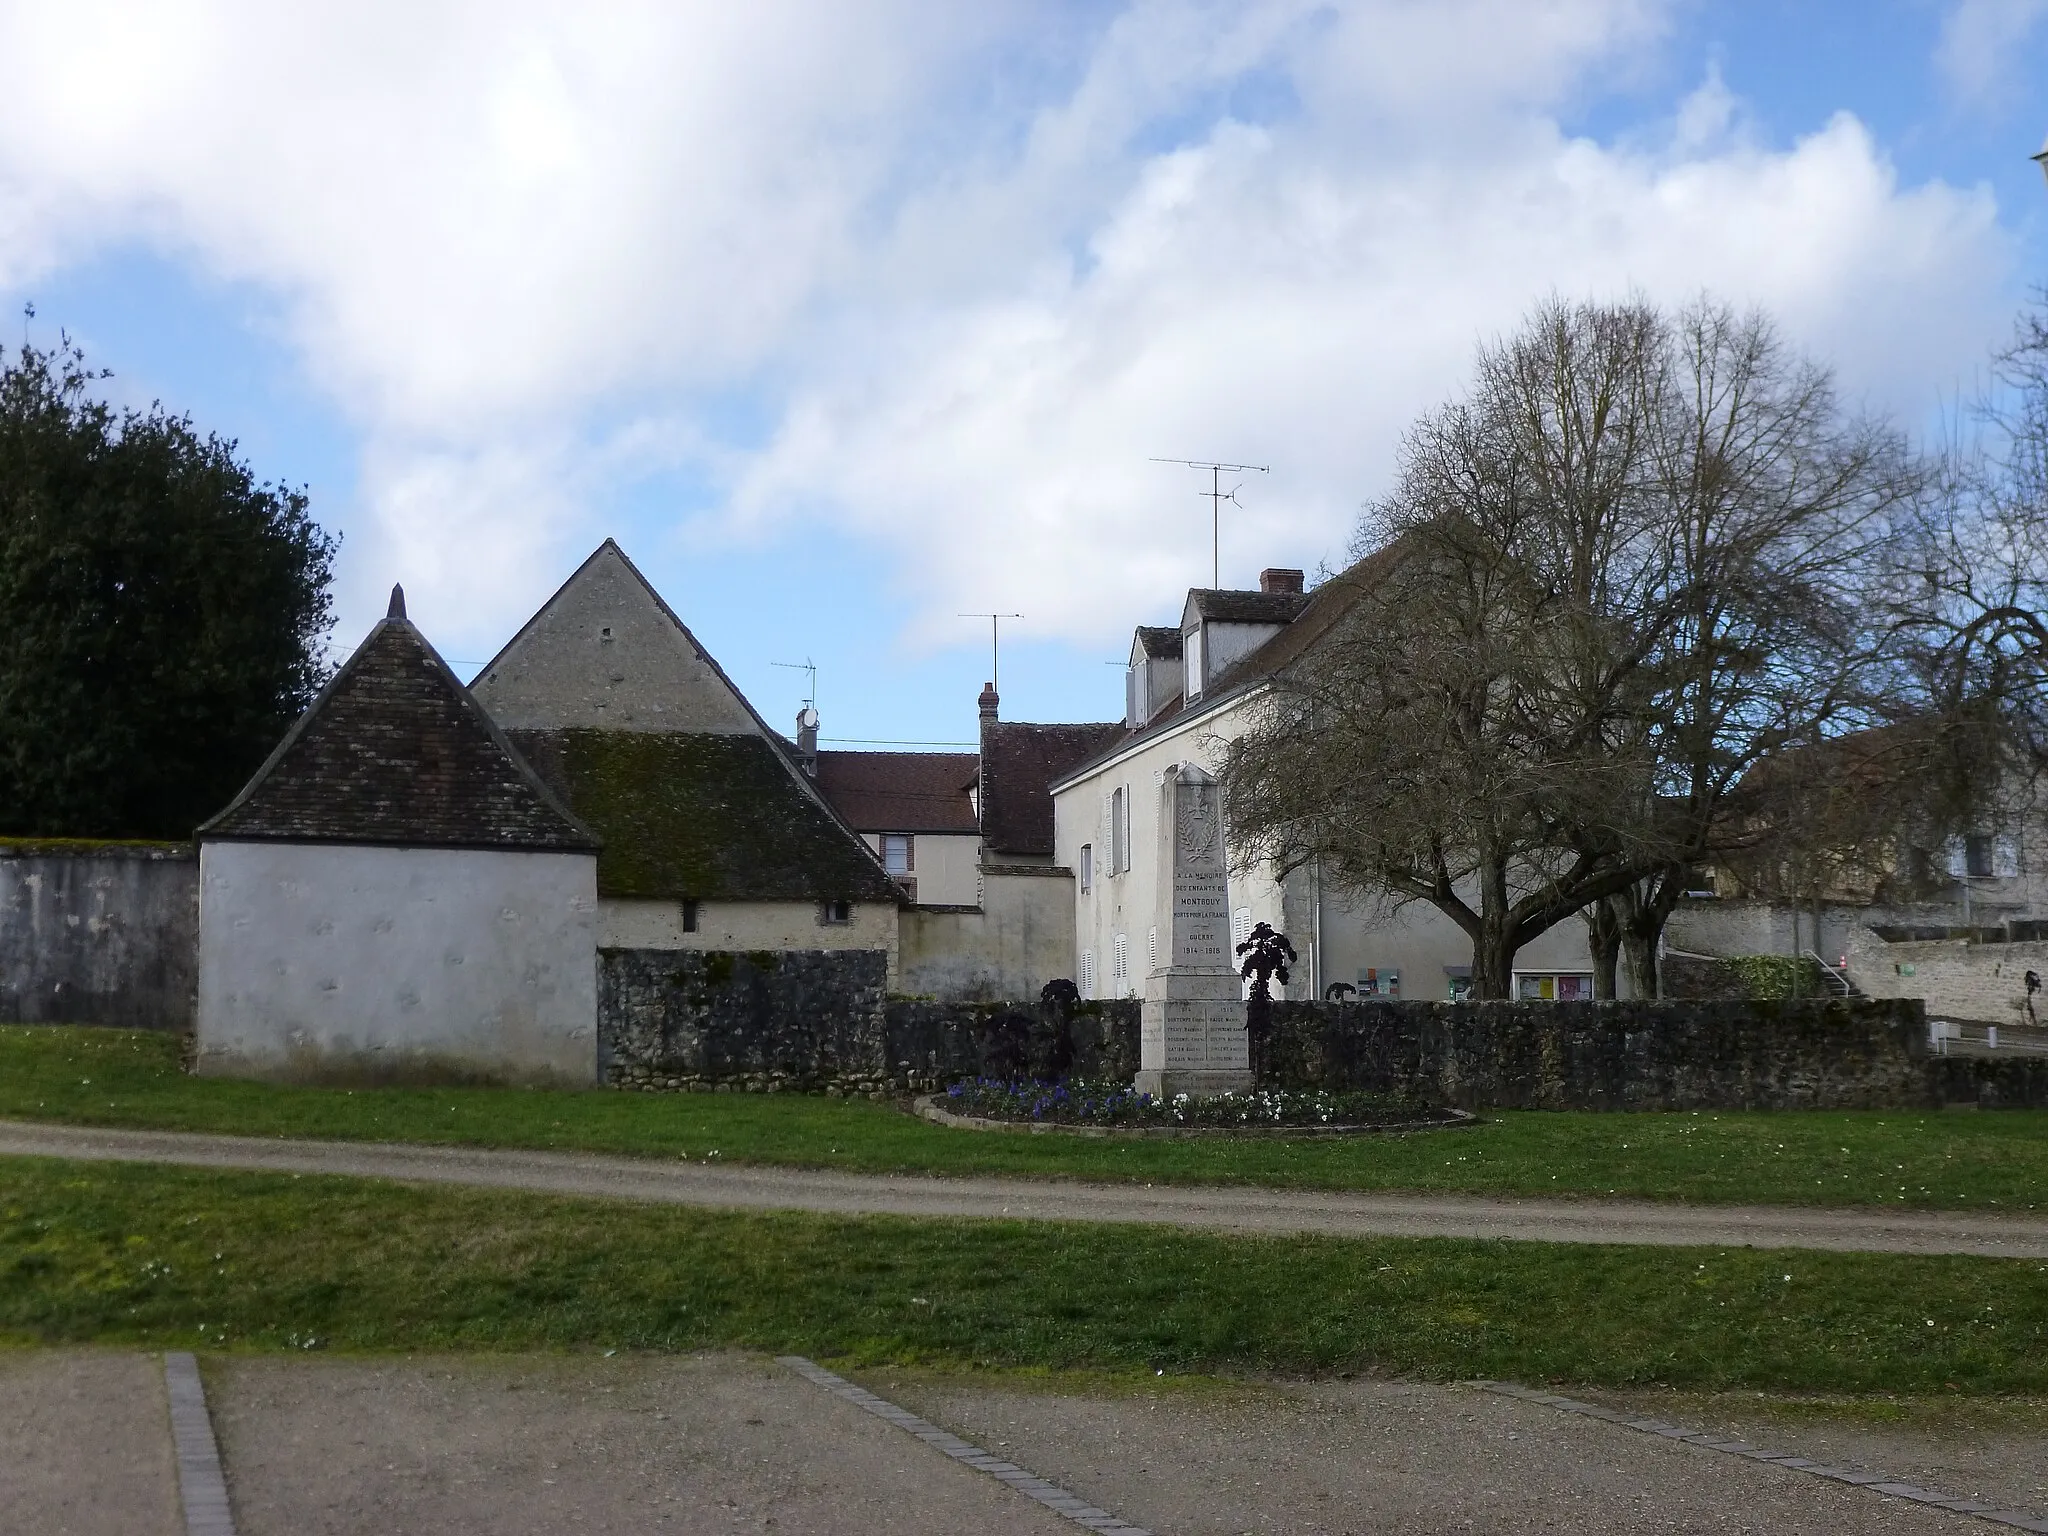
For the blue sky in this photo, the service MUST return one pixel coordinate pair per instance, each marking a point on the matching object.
(845, 320)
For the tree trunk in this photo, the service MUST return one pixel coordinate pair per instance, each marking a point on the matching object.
(1642, 965)
(1603, 939)
(1644, 910)
(1493, 947)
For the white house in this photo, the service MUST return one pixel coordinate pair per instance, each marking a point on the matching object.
(1187, 692)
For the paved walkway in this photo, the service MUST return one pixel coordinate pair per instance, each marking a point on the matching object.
(509, 1445)
(1209, 1207)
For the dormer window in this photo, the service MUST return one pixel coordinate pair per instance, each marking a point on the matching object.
(1191, 651)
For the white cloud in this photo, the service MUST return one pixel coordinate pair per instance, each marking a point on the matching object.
(1979, 40)
(975, 263)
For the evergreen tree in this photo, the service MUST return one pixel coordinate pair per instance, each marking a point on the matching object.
(161, 611)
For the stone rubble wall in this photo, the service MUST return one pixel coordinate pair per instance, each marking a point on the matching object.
(692, 1021)
(812, 1020)
(1796, 1054)
(99, 934)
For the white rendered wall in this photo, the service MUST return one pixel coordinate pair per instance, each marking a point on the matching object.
(348, 962)
(945, 865)
(635, 924)
(1419, 941)
(1021, 937)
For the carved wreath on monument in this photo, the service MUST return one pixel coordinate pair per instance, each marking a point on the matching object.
(1198, 819)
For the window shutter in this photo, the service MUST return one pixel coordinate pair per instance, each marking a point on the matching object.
(1088, 973)
(1120, 963)
(1152, 951)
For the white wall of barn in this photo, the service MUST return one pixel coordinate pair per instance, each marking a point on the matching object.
(340, 962)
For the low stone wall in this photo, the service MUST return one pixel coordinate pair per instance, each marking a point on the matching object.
(684, 1018)
(2005, 1082)
(809, 1020)
(1801, 1054)
(99, 933)
(698, 1021)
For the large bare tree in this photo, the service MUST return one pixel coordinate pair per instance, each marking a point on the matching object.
(1619, 573)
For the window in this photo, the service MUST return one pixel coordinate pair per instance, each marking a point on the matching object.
(1191, 685)
(1087, 973)
(833, 913)
(1087, 866)
(899, 853)
(1134, 703)
(1977, 856)
(690, 917)
(1554, 987)
(1379, 981)
(1120, 963)
(1119, 831)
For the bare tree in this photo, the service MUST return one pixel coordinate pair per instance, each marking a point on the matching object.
(1610, 581)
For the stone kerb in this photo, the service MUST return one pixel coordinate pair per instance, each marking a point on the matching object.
(1192, 1037)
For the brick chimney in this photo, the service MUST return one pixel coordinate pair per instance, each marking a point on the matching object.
(988, 701)
(1277, 580)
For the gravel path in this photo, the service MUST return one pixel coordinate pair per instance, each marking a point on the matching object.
(1211, 1207)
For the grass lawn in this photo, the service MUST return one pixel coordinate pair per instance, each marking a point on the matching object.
(1933, 1159)
(166, 1257)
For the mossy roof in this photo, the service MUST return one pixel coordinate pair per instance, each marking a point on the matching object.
(701, 817)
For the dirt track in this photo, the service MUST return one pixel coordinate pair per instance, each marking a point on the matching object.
(1218, 1208)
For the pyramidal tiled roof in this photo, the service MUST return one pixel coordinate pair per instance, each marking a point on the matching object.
(395, 751)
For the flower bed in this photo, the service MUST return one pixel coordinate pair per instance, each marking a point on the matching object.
(1084, 1103)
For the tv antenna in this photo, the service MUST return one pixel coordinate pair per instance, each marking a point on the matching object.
(1217, 496)
(995, 652)
(811, 682)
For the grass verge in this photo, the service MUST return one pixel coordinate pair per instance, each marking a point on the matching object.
(1939, 1160)
(188, 1258)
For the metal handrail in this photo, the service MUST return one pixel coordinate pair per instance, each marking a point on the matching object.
(1838, 981)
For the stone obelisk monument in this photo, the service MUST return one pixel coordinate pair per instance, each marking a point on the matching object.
(1192, 1037)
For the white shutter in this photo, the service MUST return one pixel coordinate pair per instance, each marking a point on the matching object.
(1120, 963)
(1152, 951)
(1088, 973)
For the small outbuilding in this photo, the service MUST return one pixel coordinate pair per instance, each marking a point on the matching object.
(396, 894)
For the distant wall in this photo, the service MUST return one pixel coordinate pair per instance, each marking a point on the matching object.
(337, 963)
(1804, 1054)
(1021, 937)
(1957, 978)
(99, 934)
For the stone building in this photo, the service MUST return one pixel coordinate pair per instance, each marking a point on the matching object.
(715, 837)
(396, 895)
(915, 810)
(969, 835)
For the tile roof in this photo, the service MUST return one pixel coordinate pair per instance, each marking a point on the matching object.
(1317, 613)
(1019, 762)
(699, 816)
(1227, 607)
(901, 791)
(1160, 641)
(396, 751)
